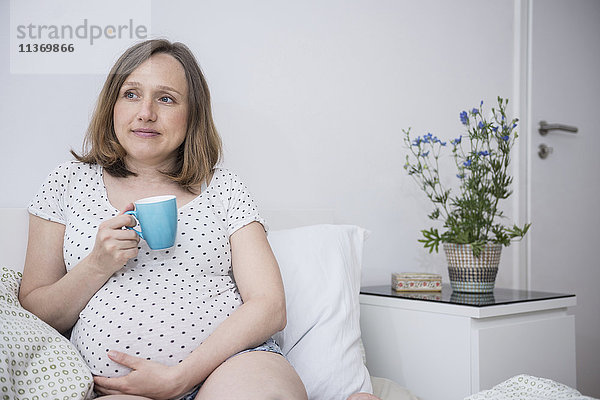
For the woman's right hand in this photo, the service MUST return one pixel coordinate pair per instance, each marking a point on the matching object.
(114, 245)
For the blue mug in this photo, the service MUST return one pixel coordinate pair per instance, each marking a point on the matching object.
(157, 217)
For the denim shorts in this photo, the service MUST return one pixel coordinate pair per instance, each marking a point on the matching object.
(270, 345)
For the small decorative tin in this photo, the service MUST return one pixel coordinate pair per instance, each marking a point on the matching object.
(416, 282)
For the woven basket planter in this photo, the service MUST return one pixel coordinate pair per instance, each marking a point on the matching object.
(469, 274)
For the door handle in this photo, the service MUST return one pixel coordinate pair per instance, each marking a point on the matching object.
(546, 127)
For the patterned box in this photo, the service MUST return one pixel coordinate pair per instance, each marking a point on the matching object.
(416, 282)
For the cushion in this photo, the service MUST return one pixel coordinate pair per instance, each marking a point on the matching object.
(320, 267)
(387, 389)
(527, 387)
(35, 359)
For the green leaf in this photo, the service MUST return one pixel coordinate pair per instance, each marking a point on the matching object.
(431, 239)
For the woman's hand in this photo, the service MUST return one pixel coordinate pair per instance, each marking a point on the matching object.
(114, 245)
(147, 378)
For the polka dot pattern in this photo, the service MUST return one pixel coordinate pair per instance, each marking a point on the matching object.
(163, 303)
(36, 362)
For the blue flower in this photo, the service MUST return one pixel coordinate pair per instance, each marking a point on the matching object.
(464, 118)
(515, 125)
(443, 143)
(467, 163)
(417, 141)
(475, 111)
(460, 176)
(484, 153)
(425, 154)
(456, 141)
(481, 125)
(505, 138)
(495, 128)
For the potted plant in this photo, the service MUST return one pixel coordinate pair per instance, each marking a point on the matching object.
(473, 231)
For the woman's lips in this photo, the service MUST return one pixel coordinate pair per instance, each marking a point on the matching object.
(145, 133)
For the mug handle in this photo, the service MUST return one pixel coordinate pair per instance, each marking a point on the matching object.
(128, 227)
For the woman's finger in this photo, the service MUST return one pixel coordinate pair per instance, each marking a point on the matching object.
(126, 235)
(126, 359)
(132, 220)
(119, 221)
(108, 385)
(128, 207)
(100, 389)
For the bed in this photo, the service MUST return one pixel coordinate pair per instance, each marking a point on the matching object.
(320, 264)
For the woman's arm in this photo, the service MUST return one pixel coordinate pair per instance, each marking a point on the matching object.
(261, 315)
(57, 297)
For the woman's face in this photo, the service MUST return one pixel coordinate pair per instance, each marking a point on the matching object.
(150, 115)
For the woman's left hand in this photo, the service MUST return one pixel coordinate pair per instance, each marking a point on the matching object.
(147, 378)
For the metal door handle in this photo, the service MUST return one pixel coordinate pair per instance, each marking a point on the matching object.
(546, 127)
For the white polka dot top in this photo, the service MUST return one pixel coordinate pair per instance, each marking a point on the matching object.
(163, 303)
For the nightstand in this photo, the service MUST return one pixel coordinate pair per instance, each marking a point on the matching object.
(448, 345)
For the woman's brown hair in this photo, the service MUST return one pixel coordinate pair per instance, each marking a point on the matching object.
(201, 149)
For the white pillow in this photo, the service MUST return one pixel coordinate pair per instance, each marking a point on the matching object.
(35, 360)
(320, 266)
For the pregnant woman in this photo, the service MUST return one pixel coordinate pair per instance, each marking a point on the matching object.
(193, 321)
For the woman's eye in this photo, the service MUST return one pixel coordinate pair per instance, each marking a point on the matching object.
(129, 95)
(166, 99)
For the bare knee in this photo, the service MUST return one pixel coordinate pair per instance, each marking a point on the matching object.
(252, 376)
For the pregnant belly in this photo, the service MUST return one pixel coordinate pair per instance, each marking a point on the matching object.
(165, 330)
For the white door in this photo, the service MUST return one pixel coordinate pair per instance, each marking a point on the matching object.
(565, 186)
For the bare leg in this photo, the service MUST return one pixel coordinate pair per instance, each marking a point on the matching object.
(257, 375)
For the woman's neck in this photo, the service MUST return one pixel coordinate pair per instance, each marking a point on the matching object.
(148, 181)
(149, 172)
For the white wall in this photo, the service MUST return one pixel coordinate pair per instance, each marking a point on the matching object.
(310, 98)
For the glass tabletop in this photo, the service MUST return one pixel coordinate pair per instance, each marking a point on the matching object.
(447, 295)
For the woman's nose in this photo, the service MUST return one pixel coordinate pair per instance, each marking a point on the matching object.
(146, 111)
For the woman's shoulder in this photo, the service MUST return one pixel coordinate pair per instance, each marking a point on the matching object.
(68, 170)
(224, 177)
(75, 166)
(222, 172)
